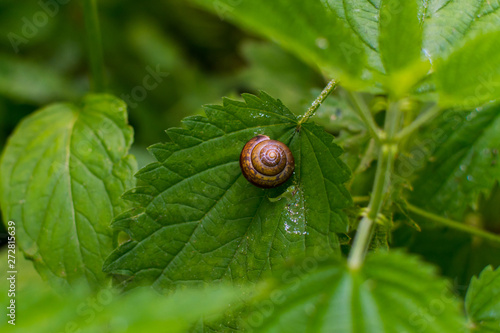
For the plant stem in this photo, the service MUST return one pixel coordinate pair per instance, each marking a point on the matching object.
(430, 114)
(364, 163)
(442, 220)
(454, 224)
(94, 44)
(385, 165)
(317, 102)
(366, 116)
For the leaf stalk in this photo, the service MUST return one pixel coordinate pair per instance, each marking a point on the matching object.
(366, 116)
(385, 165)
(454, 224)
(317, 102)
(427, 116)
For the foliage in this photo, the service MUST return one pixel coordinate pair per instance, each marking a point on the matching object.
(400, 150)
(481, 303)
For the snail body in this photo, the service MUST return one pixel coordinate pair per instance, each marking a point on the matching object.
(266, 163)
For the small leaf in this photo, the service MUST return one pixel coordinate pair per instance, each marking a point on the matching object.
(310, 29)
(393, 292)
(199, 219)
(62, 174)
(106, 310)
(470, 76)
(400, 44)
(482, 302)
(464, 164)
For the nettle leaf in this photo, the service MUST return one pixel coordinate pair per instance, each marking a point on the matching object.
(482, 302)
(487, 19)
(62, 173)
(199, 219)
(393, 292)
(401, 44)
(446, 24)
(361, 16)
(108, 310)
(465, 165)
(470, 76)
(310, 29)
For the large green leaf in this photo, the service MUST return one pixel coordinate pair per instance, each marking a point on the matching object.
(464, 164)
(107, 310)
(310, 29)
(62, 173)
(470, 76)
(393, 292)
(200, 219)
(482, 302)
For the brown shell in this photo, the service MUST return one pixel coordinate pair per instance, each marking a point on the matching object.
(266, 163)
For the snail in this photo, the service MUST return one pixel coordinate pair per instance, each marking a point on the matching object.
(266, 163)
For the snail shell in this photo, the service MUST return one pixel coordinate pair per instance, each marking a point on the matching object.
(266, 163)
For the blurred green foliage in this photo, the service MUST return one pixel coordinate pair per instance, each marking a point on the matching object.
(204, 56)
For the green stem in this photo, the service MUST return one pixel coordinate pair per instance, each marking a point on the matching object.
(364, 163)
(94, 44)
(430, 114)
(317, 102)
(454, 224)
(366, 116)
(385, 165)
(360, 199)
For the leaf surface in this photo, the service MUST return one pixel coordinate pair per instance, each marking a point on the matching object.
(393, 292)
(470, 75)
(310, 29)
(62, 173)
(400, 43)
(464, 164)
(482, 302)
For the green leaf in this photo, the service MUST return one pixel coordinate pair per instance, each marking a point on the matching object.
(464, 164)
(199, 219)
(62, 173)
(400, 44)
(361, 16)
(310, 29)
(393, 292)
(470, 76)
(482, 302)
(487, 19)
(106, 310)
(446, 23)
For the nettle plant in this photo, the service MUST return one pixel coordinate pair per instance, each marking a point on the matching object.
(422, 128)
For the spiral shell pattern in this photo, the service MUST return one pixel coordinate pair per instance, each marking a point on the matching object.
(266, 163)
